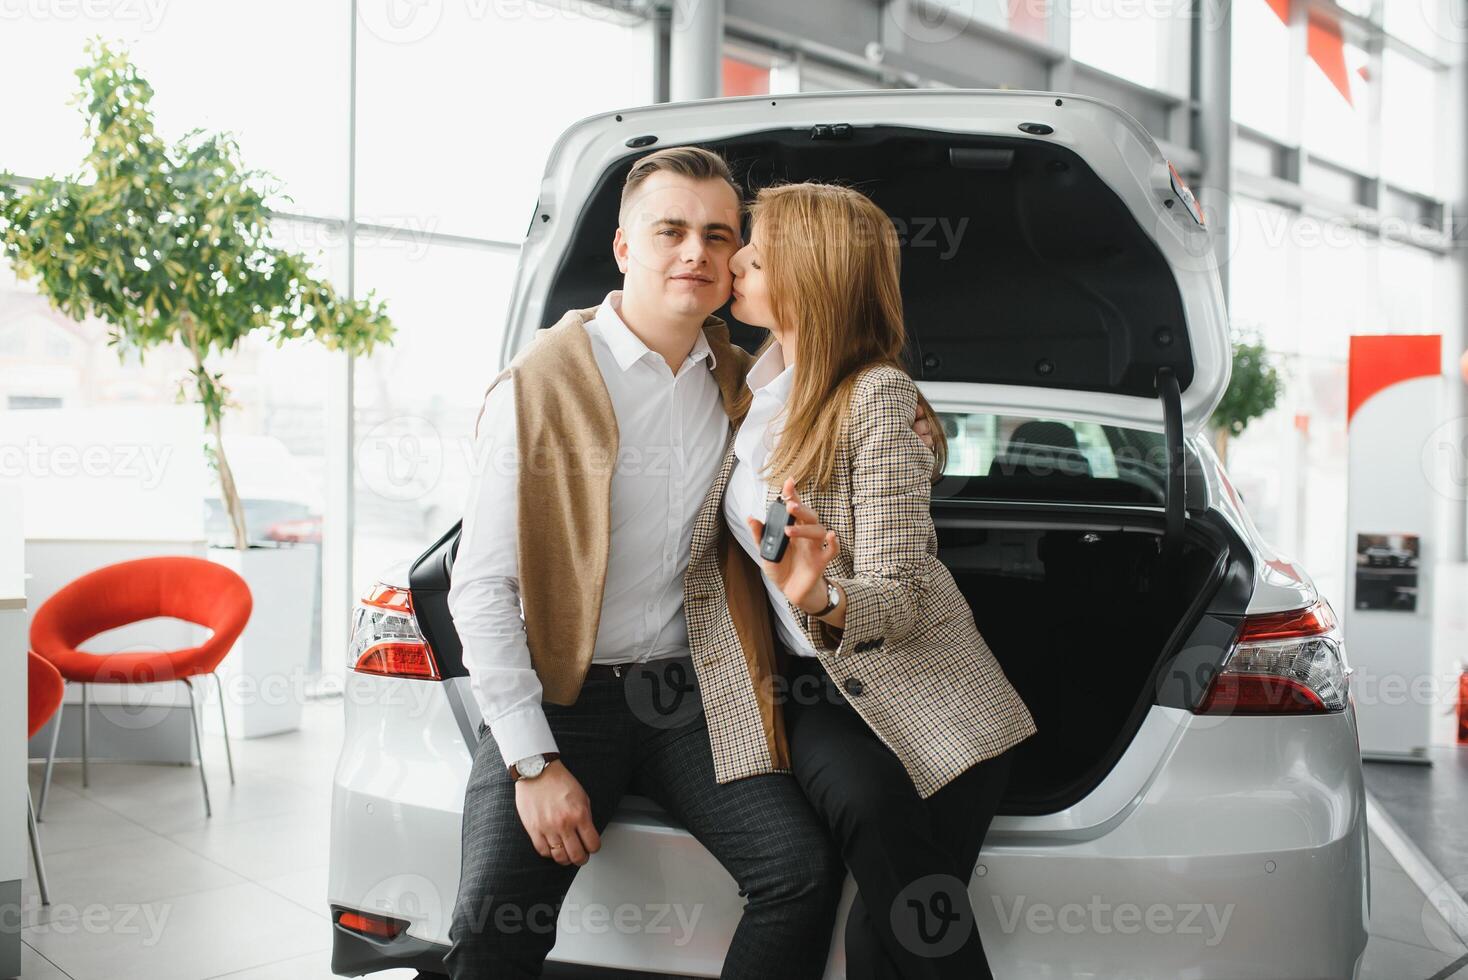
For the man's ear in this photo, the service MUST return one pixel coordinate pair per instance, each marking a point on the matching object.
(619, 250)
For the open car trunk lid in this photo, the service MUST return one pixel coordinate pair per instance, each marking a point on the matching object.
(1052, 263)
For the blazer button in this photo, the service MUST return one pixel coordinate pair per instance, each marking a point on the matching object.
(853, 686)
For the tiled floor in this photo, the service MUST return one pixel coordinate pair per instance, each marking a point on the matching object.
(1430, 804)
(144, 886)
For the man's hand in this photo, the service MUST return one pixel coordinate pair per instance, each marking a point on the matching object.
(556, 813)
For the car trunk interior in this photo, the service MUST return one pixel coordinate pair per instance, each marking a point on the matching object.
(1019, 264)
(1079, 613)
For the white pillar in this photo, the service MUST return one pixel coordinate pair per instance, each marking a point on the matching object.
(1213, 51)
(697, 55)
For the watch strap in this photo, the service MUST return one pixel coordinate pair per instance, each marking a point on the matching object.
(833, 598)
(516, 775)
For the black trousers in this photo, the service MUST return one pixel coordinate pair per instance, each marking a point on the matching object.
(911, 858)
(617, 739)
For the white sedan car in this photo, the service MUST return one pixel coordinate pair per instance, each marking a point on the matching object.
(1192, 804)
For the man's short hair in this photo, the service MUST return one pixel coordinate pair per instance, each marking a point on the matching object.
(693, 162)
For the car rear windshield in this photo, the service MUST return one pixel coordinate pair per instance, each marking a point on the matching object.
(1015, 457)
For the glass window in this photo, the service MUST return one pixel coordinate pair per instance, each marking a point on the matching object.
(1261, 68)
(1413, 136)
(1338, 294)
(1010, 457)
(1338, 94)
(274, 428)
(1428, 25)
(417, 400)
(745, 78)
(1416, 290)
(279, 84)
(1146, 43)
(1027, 18)
(1328, 180)
(816, 77)
(458, 105)
(1263, 273)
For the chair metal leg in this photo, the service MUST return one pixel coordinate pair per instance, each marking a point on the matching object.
(85, 712)
(198, 744)
(36, 849)
(51, 757)
(224, 721)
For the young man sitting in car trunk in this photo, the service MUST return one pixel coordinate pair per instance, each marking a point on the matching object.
(618, 419)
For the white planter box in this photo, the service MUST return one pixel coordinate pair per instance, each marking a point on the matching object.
(264, 675)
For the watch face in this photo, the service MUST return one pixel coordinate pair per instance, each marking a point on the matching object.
(532, 767)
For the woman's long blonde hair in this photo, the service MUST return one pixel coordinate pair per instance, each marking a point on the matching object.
(831, 261)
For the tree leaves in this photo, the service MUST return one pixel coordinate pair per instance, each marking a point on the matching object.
(170, 243)
(1253, 388)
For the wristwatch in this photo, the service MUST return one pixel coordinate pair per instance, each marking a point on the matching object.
(833, 599)
(532, 765)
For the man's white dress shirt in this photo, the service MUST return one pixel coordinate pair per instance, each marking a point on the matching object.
(671, 436)
(770, 380)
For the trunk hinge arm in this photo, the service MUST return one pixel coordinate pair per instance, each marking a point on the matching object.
(1176, 488)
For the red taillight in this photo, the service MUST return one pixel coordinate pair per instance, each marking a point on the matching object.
(398, 660)
(1310, 621)
(388, 597)
(381, 926)
(1286, 663)
(386, 639)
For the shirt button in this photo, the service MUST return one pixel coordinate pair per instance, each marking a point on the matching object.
(853, 686)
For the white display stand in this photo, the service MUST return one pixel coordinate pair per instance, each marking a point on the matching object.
(1394, 404)
(264, 676)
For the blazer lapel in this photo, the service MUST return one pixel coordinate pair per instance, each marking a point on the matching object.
(710, 520)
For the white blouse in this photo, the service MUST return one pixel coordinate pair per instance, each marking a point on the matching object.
(770, 379)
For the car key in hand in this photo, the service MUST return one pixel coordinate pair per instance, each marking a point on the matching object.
(772, 543)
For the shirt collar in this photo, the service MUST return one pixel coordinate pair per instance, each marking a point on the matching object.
(627, 348)
(770, 374)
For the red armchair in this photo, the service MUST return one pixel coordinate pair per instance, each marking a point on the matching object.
(44, 688)
(186, 588)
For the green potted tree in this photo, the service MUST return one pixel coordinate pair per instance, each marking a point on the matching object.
(169, 244)
(1253, 389)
